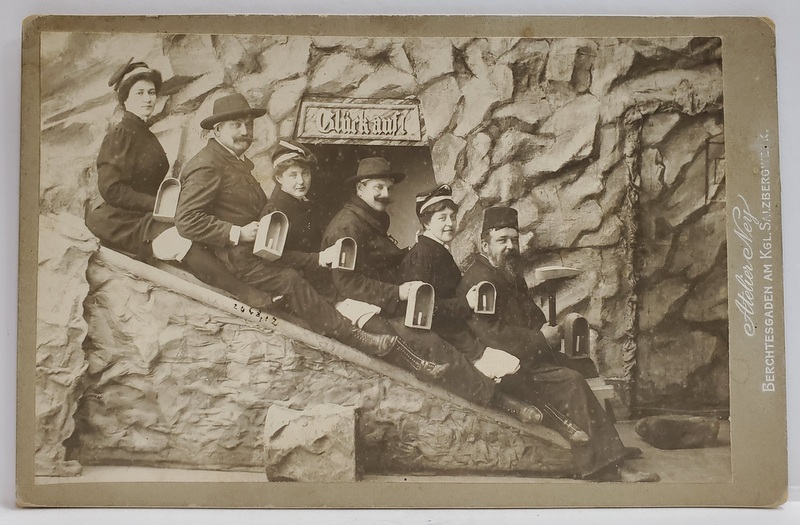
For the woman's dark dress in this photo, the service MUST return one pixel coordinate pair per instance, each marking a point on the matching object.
(130, 167)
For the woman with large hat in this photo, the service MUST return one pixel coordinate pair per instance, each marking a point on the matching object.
(131, 165)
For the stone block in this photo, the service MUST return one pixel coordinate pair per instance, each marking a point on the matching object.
(285, 98)
(489, 83)
(676, 432)
(573, 129)
(531, 112)
(478, 160)
(445, 153)
(387, 82)
(613, 61)
(193, 56)
(339, 73)
(430, 58)
(317, 444)
(286, 60)
(517, 145)
(438, 103)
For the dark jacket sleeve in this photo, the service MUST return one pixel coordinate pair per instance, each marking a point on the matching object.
(522, 342)
(115, 164)
(194, 218)
(418, 265)
(356, 285)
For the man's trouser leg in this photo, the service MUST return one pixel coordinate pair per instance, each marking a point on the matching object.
(567, 391)
(461, 377)
(301, 298)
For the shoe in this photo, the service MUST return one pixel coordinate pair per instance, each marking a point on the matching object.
(372, 344)
(521, 411)
(631, 475)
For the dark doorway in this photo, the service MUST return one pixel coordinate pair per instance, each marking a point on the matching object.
(337, 162)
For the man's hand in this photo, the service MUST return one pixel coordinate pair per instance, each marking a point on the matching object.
(553, 334)
(405, 289)
(328, 256)
(496, 364)
(249, 232)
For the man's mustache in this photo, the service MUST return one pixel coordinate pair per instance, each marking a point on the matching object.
(245, 138)
(385, 200)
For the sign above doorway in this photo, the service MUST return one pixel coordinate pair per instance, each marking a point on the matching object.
(378, 121)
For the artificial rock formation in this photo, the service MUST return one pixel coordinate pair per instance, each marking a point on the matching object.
(65, 246)
(674, 432)
(174, 382)
(601, 144)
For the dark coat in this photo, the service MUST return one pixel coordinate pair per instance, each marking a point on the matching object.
(218, 191)
(515, 326)
(431, 262)
(376, 277)
(130, 167)
(305, 225)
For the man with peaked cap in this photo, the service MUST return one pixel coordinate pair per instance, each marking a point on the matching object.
(375, 295)
(518, 327)
(220, 205)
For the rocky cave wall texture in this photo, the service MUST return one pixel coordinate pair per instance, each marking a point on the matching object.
(173, 382)
(601, 144)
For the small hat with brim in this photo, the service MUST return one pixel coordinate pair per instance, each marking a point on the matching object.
(131, 71)
(231, 107)
(499, 217)
(375, 168)
(427, 199)
(290, 151)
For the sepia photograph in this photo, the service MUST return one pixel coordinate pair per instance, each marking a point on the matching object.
(392, 259)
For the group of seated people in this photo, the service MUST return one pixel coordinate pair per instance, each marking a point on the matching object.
(504, 359)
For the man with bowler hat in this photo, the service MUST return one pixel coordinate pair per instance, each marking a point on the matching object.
(518, 327)
(220, 204)
(376, 297)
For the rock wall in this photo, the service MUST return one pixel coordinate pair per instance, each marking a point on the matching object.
(564, 130)
(173, 382)
(65, 246)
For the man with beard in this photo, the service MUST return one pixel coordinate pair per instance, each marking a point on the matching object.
(376, 297)
(220, 204)
(518, 327)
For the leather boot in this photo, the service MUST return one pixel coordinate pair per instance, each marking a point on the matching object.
(521, 411)
(427, 370)
(566, 427)
(371, 344)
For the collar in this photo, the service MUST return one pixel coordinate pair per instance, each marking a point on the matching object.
(283, 197)
(378, 219)
(242, 158)
(432, 237)
(134, 119)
